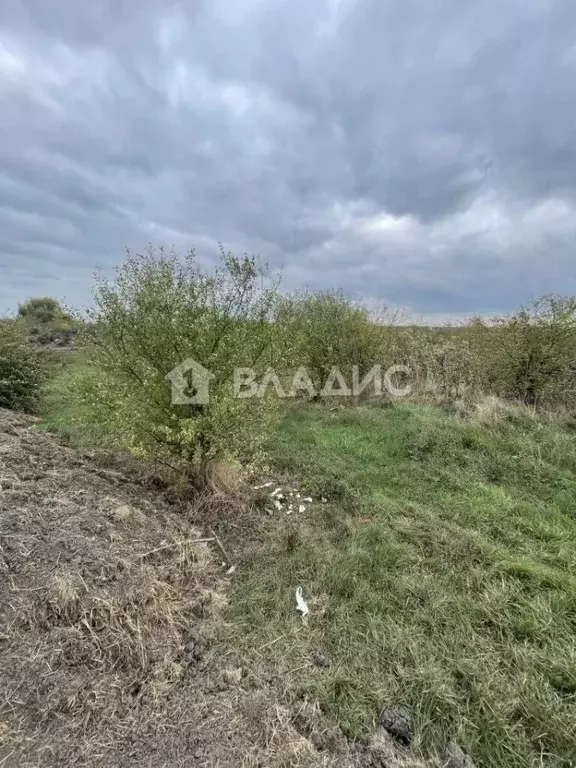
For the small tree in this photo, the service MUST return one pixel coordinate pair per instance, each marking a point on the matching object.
(23, 368)
(160, 311)
(42, 310)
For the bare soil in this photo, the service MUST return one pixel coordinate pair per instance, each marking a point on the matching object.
(111, 612)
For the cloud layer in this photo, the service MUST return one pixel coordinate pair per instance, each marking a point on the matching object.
(422, 152)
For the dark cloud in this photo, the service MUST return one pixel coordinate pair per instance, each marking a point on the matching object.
(420, 151)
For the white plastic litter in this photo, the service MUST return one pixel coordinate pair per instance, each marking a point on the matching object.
(285, 499)
(301, 604)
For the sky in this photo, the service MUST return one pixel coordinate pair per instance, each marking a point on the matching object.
(420, 153)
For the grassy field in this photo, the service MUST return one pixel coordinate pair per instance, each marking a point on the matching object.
(441, 576)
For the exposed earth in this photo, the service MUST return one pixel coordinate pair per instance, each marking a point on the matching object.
(113, 631)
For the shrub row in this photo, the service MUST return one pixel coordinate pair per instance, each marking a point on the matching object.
(161, 310)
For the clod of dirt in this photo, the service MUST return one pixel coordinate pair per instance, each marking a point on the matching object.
(455, 757)
(195, 647)
(398, 723)
(382, 751)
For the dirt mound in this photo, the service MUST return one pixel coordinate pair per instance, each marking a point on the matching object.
(111, 630)
(103, 589)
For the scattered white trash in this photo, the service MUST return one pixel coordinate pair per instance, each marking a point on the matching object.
(284, 498)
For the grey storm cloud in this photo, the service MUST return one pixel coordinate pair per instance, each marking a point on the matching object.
(422, 152)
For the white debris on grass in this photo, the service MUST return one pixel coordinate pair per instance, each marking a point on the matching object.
(284, 498)
(301, 604)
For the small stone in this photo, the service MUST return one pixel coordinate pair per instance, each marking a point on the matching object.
(398, 723)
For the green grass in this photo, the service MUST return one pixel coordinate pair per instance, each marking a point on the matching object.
(65, 415)
(441, 576)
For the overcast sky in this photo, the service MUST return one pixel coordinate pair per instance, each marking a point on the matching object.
(422, 152)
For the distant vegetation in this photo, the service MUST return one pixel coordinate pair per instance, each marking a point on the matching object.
(162, 309)
(44, 311)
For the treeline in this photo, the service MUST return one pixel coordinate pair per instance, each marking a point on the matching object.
(162, 310)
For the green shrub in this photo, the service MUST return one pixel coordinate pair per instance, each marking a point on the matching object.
(42, 311)
(528, 356)
(160, 311)
(531, 354)
(23, 368)
(326, 330)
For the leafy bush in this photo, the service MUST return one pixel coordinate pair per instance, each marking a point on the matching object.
(530, 355)
(160, 311)
(44, 310)
(23, 368)
(326, 330)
